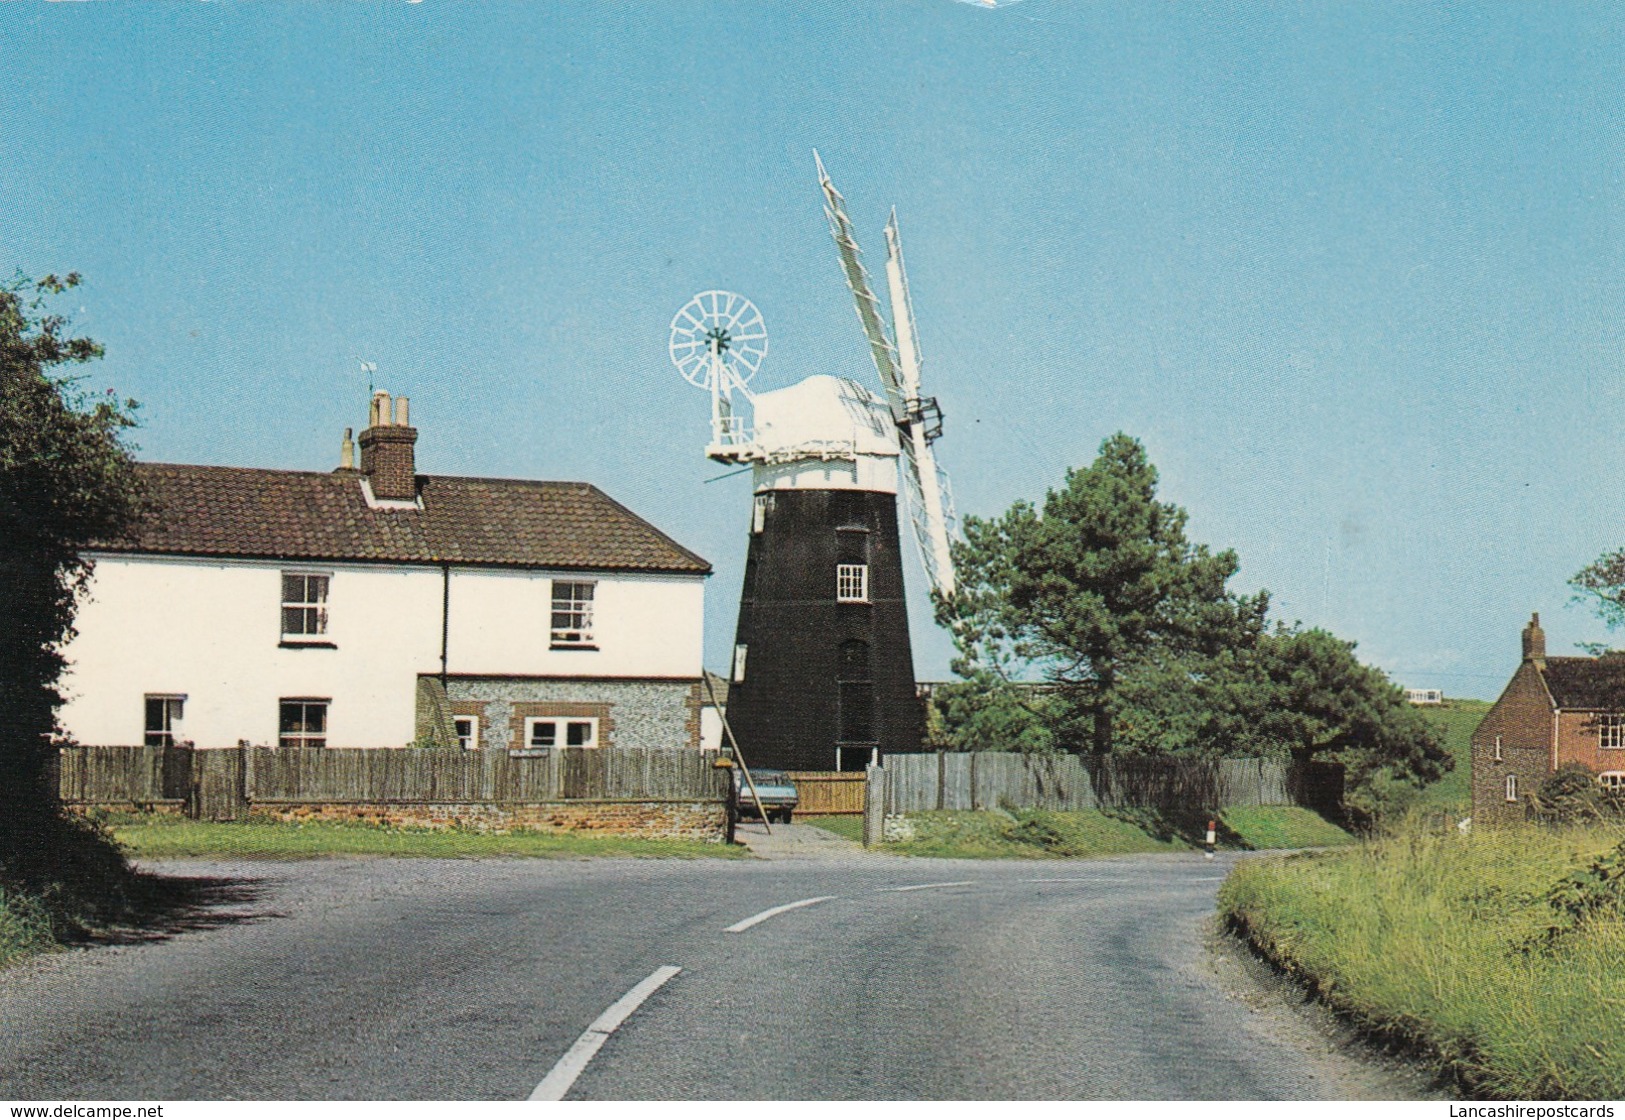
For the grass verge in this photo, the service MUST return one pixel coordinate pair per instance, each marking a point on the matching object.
(157, 837)
(848, 826)
(1282, 826)
(1025, 834)
(25, 927)
(1470, 948)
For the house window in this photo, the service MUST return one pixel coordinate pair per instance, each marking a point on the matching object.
(758, 515)
(572, 613)
(1611, 732)
(1512, 787)
(163, 727)
(739, 663)
(546, 732)
(1498, 748)
(1612, 779)
(468, 731)
(303, 723)
(851, 583)
(304, 605)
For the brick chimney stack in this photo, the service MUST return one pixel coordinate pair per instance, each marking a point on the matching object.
(387, 458)
(1534, 641)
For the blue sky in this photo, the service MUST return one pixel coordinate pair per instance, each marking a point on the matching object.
(1351, 272)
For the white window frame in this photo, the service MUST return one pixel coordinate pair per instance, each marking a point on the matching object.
(172, 719)
(560, 732)
(1612, 779)
(304, 737)
(738, 674)
(571, 626)
(1512, 787)
(1498, 749)
(1611, 732)
(851, 583)
(758, 512)
(312, 612)
(471, 741)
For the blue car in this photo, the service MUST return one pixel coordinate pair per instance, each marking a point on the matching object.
(777, 791)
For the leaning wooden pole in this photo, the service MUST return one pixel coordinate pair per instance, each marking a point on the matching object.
(729, 732)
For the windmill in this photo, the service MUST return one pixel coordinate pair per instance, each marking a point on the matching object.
(823, 672)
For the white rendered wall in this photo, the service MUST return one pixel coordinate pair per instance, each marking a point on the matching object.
(211, 631)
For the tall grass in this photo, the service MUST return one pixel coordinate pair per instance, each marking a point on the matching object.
(1443, 940)
(25, 927)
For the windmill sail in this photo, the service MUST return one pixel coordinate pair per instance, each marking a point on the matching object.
(899, 369)
(857, 278)
(927, 495)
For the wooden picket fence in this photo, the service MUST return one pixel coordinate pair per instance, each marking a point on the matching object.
(924, 782)
(220, 784)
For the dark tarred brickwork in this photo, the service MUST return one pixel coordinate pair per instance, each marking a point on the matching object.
(817, 669)
(299, 515)
(387, 460)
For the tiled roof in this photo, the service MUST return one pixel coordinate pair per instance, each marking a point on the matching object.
(1587, 683)
(300, 515)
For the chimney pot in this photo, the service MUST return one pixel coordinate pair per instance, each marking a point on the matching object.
(347, 451)
(402, 413)
(379, 417)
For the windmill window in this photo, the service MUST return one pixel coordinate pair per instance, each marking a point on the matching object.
(1611, 732)
(468, 731)
(851, 583)
(302, 723)
(163, 722)
(572, 614)
(304, 606)
(739, 663)
(1512, 787)
(759, 512)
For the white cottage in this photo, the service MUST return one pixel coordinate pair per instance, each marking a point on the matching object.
(376, 607)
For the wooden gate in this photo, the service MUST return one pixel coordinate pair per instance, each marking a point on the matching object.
(828, 793)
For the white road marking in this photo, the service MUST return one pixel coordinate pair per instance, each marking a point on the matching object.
(754, 919)
(1078, 880)
(568, 1068)
(926, 886)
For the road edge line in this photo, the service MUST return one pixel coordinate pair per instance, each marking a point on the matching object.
(562, 1076)
(928, 886)
(757, 919)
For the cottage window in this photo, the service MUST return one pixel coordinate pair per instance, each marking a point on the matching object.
(546, 732)
(851, 583)
(1611, 732)
(572, 613)
(1498, 748)
(1612, 779)
(468, 731)
(304, 606)
(1512, 787)
(303, 723)
(163, 724)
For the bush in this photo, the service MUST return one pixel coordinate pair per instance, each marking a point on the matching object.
(1572, 795)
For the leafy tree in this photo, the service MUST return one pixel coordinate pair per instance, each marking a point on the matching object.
(1099, 583)
(990, 713)
(1601, 585)
(1145, 647)
(66, 479)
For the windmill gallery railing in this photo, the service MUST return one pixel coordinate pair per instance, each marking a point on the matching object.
(225, 784)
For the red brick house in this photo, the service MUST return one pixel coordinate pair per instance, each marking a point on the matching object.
(1554, 711)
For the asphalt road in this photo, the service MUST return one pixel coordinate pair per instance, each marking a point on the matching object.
(445, 979)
